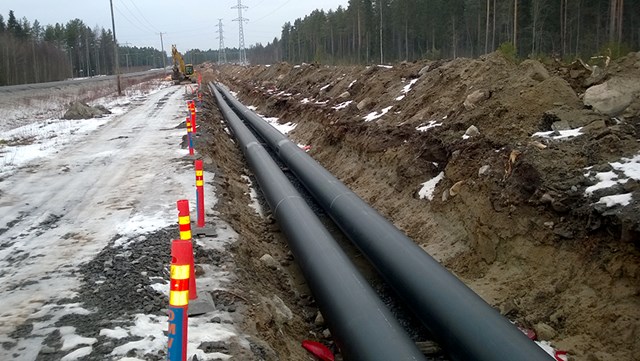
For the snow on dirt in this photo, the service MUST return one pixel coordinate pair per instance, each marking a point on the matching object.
(78, 198)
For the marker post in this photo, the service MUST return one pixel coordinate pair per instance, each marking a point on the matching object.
(181, 253)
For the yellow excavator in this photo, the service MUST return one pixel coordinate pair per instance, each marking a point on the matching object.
(181, 72)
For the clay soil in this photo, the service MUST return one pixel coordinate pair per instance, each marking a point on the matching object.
(510, 216)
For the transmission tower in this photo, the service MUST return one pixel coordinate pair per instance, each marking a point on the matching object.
(241, 21)
(222, 54)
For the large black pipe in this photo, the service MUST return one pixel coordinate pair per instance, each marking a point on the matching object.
(359, 321)
(464, 324)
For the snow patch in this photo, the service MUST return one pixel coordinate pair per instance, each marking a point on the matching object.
(562, 134)
(616, 200)
(431, 124)
(429, 187)
(406, 89)
(351, 84)
(70, 340)
(375, 115)
(343, 105)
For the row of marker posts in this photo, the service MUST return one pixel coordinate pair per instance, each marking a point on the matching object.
(182, 287)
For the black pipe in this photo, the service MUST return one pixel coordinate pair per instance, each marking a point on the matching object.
(462, 322)
(361, 324)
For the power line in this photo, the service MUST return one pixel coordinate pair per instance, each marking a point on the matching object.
(241, 21)
(129, 21)
(222, 54)
(135, 17)
(274, 10)
(142, 14)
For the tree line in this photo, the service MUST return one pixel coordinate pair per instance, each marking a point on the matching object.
(370, 31)
(32, 53)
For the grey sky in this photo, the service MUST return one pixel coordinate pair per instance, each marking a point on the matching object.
(189, 24)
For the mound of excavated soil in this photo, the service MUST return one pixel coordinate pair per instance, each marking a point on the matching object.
(513, 215)
(80, 110)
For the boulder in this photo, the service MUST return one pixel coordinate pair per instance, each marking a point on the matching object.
(613, 96)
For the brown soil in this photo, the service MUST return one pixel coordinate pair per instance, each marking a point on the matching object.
(521, 233)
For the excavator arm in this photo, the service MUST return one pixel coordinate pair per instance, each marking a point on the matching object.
(181, 71)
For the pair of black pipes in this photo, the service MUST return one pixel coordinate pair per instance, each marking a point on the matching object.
(359, 321)
(462, 322)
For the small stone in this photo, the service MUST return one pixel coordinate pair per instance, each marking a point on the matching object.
(560, 125)
(364, 104)
(269, 261)
(544, 331)
(549, 225)
(326, 333)
(455, 189)
(472, 131)
(445, 195)
(198, 270)
(319, 321)
(216, 319)
(344, 95)
(484, 170)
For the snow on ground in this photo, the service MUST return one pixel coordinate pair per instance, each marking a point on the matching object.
(376, 115)
(622, 171)
(68, 187)
(429, 187)
(343, 105)
(560, 134)
(406, 89)
(431, 124)
(254, 197)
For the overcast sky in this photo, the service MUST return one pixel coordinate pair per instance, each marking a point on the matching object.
(188, 24)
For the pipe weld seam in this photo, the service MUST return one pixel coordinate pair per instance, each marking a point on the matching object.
(275, 209)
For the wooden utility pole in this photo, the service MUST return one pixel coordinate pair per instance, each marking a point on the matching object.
(115, 45)
(486, 30)
(515, 25)
(164, 55)
(381, 54)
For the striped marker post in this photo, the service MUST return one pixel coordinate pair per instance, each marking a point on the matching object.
(184, 224)
(192, 110)
(199, 193)
(181, 252)
(190, 136)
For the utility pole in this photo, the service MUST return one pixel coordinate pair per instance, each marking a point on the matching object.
(241, 20)
(381, 54)
(86, 44)
(115, 45)
(128, 45)
(222, 54)
(164, 55)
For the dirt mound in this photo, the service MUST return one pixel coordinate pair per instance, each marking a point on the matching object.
(537, 206)
(80, 110)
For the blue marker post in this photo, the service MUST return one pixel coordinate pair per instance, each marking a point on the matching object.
(179, 300)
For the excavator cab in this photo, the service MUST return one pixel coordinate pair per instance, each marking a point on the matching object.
(188, 69)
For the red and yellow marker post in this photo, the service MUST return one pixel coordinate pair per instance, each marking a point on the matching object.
(190, 136)
(192, 111)
(181, 253)
(199, 193)
(184, 224)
